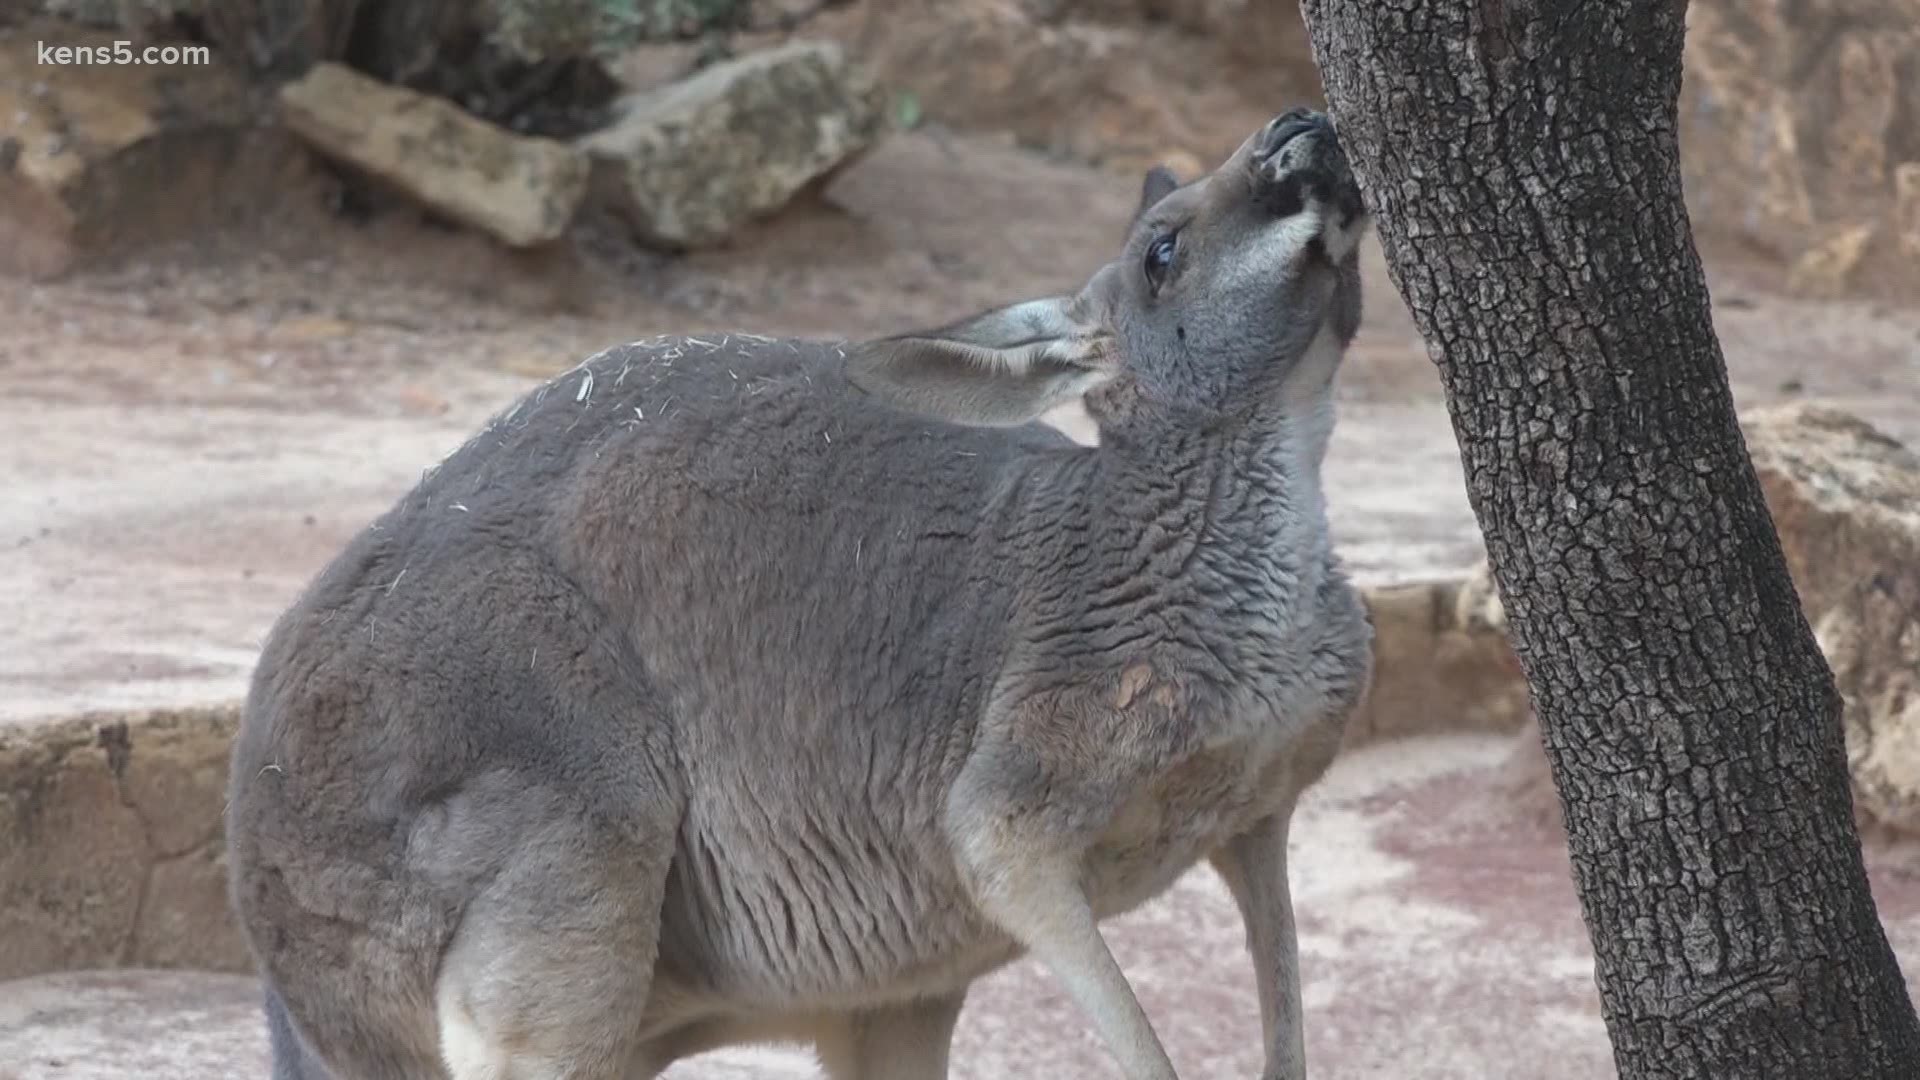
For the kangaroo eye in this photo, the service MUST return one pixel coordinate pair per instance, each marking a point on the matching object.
(1159, 259)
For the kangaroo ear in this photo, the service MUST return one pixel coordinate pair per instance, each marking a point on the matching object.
(1159, 183)
(1000, 368)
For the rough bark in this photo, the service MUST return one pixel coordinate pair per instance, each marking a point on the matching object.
(1522, 163)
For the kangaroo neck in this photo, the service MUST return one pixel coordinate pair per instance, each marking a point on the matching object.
(1246, 490)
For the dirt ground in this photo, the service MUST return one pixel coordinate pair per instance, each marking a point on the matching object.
(187, 437)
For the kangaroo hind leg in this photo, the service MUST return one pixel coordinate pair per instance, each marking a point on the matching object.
(549, 971)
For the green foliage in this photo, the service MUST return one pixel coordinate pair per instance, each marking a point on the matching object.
(553, 29)
(906, 110)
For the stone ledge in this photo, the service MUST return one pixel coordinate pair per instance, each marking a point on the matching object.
(111, 850)
(1442, 664)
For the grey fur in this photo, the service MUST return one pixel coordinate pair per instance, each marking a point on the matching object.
(736, 689)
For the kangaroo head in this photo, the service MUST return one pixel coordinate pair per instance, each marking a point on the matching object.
(1220, 291)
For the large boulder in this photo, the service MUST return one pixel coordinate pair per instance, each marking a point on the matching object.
(1797, 122)
(1845, 500)
(521, 189)
(97, 160)
(688, 163)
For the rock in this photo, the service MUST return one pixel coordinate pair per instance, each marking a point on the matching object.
(655, 64)
(176, 780)
(72, 856)
(1795, 119)
(1185, 163)
(1439, 666)
(110, 846)
(1826, 269)
(185, 921)
(1115, 82)
(1845, 500)
(100, 160)
(1257, 33)
(523, 190)
(1906, 208)
(136, 16)
(688, 164)
(1476, 602)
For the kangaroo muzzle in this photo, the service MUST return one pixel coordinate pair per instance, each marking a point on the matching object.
(1297, 158)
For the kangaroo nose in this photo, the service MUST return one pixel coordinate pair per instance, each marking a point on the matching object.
(1287, 127)
(1298, 156)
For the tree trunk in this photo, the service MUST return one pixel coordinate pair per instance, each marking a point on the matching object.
(1521, 160)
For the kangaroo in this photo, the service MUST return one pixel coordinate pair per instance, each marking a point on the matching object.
(735, 689)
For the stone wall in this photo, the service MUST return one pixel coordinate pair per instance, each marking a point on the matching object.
(111, 846)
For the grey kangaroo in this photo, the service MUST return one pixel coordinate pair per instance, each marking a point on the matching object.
(735, 690)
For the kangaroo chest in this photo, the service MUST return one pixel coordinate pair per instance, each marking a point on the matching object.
(1174, 818)
(1248, 755)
